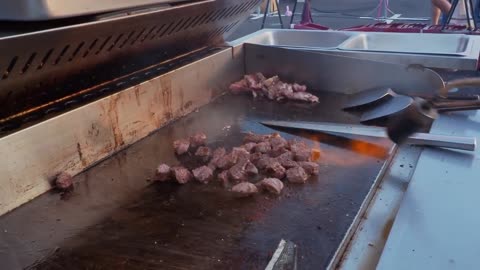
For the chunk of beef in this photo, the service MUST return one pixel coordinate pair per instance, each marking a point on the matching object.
(262, 147)
(250, 169)
(299, 88)
(239, 87)
(225, 162)
(303, 96)
(275, 169)
(217, 155)
(272, 185)
(302, 155)
(239, 154)
(203, 174)
(163, 173)
(64, 181)
(296, 145)
(182, 174)
(238, 173)
(203, 153)
(198, 139)
(311, 168)
(279, 145)
(253, 82)
(223, 178)
(263, 162)
(255, 138)
(297, 175)
(286, 160)
(249, 146)
(244, 189)
(255, 157)
(181, 146)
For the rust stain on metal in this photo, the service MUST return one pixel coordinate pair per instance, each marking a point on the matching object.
(113, 116)
(387, 228)
(166, 90)
(188, 104)
(137, 94)
(93, 130)
(80, 155)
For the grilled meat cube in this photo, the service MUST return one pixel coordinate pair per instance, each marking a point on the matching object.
(182, 174)
(253, 82)
(244, 189)
(163, 173)
(297, 175)
(303, 96)
(249, 146)
(237, 172)
(217, 155)
(198, 139)
(255, 157)
(203, 153)
(263, 162)
(262, 147)
(286, 160)
(302, 155)
(299, 88)
(239, 154)
(275, 169)
(223, 178)
(225, 162)
(64, 181)
(272, 185)
(250, 169)
(240, 87)
(279, 145)
(311, 168)
(296, 145)
(181, 146)
(203, 174)
(256, 138)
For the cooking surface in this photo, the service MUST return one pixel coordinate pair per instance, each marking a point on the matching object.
(117, 219)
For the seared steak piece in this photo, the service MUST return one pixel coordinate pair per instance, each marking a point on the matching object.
(203, 153)
(263, 162)
(297, 175)
(302, 155)
(286, 160)
(275, 169)
(262, 147)
(255, 157)
(279, 145)
(273, 88)
(249, 146)
(203, 174)
(311, 168)
(163, 173)
(64, 181)
(250, 169)
(223, 178)
(217, 155)
(255, 138)
(244, 189)
(198, 139)
(182, 174)
(225, 162)
(296, 145)
(239, 154)
(237, 172)
(272, 185)
(181, 146)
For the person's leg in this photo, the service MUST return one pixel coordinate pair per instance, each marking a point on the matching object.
(443, 5)
(436, 12)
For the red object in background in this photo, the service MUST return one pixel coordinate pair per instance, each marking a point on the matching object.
(310, 26)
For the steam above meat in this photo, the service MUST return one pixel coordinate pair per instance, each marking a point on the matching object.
(272, 88)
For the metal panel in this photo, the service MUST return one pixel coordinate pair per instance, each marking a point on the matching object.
(34, 10)
(339, 73)
(44, 61)
(437, 224)
(75, 140)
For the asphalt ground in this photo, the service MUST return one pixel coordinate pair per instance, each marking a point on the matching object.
(340, 14)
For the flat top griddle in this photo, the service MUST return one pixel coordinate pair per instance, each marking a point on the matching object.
(117, 219)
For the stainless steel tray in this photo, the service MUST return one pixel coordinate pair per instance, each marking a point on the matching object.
(409, 43)
(40, 10)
